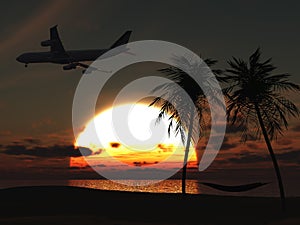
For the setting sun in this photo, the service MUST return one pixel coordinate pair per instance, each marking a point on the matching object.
(130, 134)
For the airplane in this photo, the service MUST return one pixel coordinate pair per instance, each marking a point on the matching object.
(72, 58)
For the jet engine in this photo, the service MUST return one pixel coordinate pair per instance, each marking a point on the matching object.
(70, 66)
(47, 43)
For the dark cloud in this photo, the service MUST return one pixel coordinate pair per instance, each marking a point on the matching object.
(232, 129)
(28, 158)
(290, 148)
(98, 152)
(252, 145)
(76, 168)
(248, 157)
(143, 163)
(50, 151)
(115, 144)
(296, 128)
(32, 141)
(99, 165)
(291, 156)
(285, 141)
(225, 139)
(227, 146)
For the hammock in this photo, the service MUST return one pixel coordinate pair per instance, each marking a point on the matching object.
(239, 188)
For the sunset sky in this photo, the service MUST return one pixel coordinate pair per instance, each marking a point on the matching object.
(36, 102)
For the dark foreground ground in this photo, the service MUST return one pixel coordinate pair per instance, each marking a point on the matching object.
(49, 205)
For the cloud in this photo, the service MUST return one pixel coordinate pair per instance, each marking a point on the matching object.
(32, 141)
(291, 156)
(115, 144)
(227, 146)
(143, 163)
(284, 141)
(296, 128)
(287, 148)
(248, 157)
(63, 136)
(166, 148)
(227, 143)
(76, 168)
(232, 129)
(252, 145)
(99, 165)
(50, 151)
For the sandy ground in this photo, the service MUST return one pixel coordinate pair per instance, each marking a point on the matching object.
(51, 205)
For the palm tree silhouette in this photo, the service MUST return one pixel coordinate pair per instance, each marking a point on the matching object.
(256, 100)
(184, 121)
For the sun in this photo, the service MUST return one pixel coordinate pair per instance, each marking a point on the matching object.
(130, 133)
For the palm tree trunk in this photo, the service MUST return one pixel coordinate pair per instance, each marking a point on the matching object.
(186, 153)
(275, 164)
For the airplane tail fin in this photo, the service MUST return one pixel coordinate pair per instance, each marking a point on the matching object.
(122, 40)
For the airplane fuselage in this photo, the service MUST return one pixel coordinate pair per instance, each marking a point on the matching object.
(52, 57)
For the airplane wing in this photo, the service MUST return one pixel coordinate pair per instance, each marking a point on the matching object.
(57, 46)
(82, 65)
(88, 68)
(122, 40)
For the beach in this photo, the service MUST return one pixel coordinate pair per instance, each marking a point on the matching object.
(77, 205)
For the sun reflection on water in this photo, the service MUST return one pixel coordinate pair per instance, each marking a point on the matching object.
(166, 186)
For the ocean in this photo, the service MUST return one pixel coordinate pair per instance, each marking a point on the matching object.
(166, 186)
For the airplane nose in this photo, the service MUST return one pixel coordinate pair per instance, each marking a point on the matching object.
(19, 58)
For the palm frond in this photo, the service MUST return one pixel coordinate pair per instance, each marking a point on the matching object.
(171, 102)
(253, 83)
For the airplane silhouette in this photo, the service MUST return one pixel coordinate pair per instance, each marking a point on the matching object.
(72, 58)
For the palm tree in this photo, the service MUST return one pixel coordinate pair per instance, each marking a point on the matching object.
(256, 99)
(172, 104)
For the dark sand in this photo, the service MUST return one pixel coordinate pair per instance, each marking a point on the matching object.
(48, 205)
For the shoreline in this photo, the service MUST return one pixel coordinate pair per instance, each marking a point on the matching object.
(168, 186)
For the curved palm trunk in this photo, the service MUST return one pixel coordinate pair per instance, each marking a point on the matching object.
(275, 164)
(186, 153)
